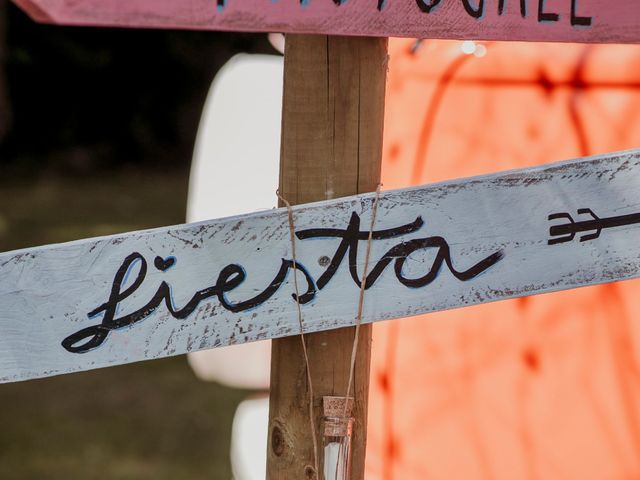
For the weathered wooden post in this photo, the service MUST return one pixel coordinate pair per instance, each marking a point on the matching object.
(331, 147)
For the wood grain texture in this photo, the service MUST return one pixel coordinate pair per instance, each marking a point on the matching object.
(333, 112)
(46, 293)
(596, 21)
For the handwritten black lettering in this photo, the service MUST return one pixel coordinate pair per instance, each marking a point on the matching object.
(233, 275)
(577, 20)
(229, 278)
(477, 12)
(427, 6)
(380, 6)
(352, 235)
(475, 9)
(546, 16)
(98, 333)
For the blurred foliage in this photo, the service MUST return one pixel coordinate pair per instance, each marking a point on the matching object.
(83, 99)
(97, 128)
(60, 208)
(152, 420)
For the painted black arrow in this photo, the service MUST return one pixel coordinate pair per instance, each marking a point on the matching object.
(567, 231)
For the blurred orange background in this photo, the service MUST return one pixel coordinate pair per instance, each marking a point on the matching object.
(546, 387)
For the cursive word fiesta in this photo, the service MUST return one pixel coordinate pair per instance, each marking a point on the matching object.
(232, 275)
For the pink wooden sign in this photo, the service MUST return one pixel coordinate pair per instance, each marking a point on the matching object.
(594, 21)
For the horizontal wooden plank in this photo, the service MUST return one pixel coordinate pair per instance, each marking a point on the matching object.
(596, 21)
(150, 294)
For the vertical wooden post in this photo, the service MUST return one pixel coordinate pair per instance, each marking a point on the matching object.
(332, 123)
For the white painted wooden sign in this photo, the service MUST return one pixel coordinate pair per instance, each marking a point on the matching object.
(599, 21)
(144, 295)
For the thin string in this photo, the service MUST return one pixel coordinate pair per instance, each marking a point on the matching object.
(363, 282)
(302, 338)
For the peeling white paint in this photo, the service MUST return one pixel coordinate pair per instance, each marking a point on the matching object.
(46, 293)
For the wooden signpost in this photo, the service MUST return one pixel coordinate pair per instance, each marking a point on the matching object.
(150, 294)
(332, 124)
(145, 295)
(601, 21)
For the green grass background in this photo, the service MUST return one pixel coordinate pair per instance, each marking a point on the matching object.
(151, 420)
